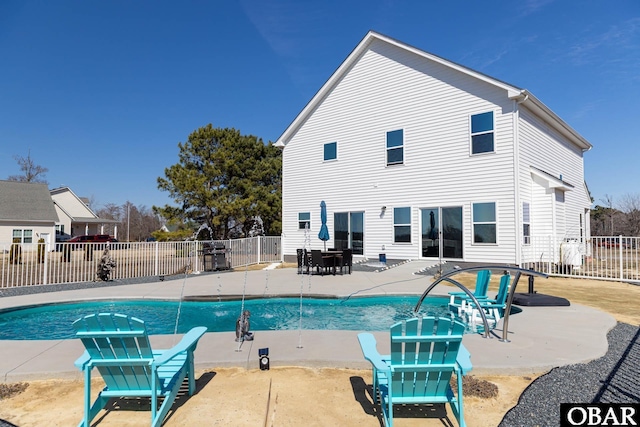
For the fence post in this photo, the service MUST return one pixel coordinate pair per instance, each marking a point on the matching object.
(259, 248)
(45, 270)
(551, 252)
(621, 258)
(156, 261)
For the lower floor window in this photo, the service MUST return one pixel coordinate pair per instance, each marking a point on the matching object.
(23, 236)
(484, 223)
(402, 225)
(304, 220)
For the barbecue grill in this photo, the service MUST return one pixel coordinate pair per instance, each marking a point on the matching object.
(215, 256)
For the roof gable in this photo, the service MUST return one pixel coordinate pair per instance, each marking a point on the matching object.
(72, 205)
(26, 201)
(521, 96)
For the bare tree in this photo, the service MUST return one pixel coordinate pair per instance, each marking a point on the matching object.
(137, 222)
(608, 200)
(630, 206)
(110, 211)
(31, 171)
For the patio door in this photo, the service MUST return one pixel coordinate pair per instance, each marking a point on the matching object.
(441, 232)
(348, 231)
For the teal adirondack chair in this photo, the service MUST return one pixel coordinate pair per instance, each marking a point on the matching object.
(425, 353)
(493, 308)
(458, 299)
(118, 346)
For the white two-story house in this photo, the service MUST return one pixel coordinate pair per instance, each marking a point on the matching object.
(419, 157)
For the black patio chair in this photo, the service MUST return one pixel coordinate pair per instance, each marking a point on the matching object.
(319, 262)
(345, 260)
(306, 261)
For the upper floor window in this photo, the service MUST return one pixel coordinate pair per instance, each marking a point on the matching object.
(526, 223)
(330, 151)
(402, 225)
(484, 223)
(304, 220)
(482, 133)
(395, 147)
(23, 236)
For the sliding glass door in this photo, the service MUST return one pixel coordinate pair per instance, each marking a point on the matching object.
(441, 232)
(348, 231)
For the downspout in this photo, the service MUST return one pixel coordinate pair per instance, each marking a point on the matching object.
(516, 181)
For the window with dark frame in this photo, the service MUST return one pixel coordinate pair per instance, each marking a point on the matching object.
(304, 220)
(395, 147)
(482, 140)
(330, 151)
(484, 223)
(25, 236)
(402, 225)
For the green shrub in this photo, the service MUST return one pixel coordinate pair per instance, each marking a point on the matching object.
(15, 253)
(41, 250)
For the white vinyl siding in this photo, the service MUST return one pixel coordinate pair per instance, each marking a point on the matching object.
(544, 148)
(388, 89)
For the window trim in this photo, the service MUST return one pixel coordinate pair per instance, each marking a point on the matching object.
(396, 225)
(492, 131)
(302, 222)
(474, 223)
(396, 147)
(324, 152)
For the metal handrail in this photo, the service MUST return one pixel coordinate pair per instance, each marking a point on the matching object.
(505, 325)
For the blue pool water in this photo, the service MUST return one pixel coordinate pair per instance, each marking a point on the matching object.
(357, 313)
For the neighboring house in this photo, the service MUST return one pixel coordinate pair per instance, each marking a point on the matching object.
(419, 157)
(76, 218)
(26, 213)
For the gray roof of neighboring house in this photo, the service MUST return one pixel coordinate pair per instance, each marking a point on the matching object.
(26, 201)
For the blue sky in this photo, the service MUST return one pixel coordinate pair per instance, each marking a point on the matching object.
(101, 92)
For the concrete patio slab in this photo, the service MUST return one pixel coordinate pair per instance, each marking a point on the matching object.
(540, 337)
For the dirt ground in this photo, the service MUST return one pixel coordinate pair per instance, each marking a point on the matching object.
(288, 396)
(292, 396)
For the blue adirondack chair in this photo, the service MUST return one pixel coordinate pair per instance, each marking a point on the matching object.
(425, 353)
(493, 308)
(458, 299)
(118, 346)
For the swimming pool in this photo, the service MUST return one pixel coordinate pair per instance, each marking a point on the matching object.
(54, 321)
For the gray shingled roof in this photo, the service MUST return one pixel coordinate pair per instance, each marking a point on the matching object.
(26, 201)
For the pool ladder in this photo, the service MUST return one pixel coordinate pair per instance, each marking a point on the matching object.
(512, 290)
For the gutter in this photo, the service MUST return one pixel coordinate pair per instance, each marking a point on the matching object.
(528, 100)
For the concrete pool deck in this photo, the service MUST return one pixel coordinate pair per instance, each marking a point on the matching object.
(540, 337)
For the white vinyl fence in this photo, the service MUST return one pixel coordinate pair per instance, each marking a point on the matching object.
(35, 264)
(601, 257)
